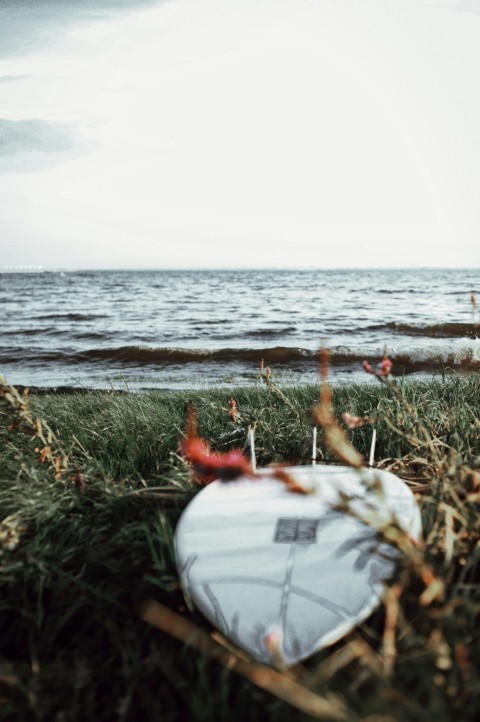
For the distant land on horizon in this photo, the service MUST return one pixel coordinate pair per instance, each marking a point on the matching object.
(195, 269)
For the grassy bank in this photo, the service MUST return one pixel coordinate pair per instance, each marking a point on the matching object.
(84, 542)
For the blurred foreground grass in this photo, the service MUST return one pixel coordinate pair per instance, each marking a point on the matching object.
(79, 553)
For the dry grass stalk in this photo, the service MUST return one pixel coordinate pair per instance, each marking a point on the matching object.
(355, 649)
(382, 520)
(266, 376)
(392, 609)
(281, 474)
(23, 419)
(333, 434)
(11, 529)
(421, 435)
(277, 683)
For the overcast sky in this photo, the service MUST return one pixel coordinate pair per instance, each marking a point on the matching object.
(225, 133)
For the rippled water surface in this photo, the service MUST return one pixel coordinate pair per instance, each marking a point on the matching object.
(187, 328)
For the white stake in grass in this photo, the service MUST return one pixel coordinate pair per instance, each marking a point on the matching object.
(372, 448)
(251, 437)
(314, 446)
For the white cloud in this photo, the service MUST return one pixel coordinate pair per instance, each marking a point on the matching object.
(28, 26)
(31, 144)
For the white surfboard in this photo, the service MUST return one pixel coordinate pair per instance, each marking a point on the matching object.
(261, 562)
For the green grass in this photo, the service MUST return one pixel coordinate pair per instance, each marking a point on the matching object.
(92, 548)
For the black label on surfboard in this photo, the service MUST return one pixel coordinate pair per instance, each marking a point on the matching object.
(295, 530)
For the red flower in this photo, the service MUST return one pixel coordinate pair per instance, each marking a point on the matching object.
(353, 422)
(210, 465)
(233, 413)
(382, 371)
(385, 367)
(367, 368)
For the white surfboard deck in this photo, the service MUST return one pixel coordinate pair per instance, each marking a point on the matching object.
(257, 559)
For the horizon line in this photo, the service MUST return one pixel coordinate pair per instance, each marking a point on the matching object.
(20, 268)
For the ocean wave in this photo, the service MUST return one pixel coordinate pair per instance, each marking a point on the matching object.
(25, 332)
(147, 356)
(461, 354)
(434, 330)
(271, 332)
(68, 317)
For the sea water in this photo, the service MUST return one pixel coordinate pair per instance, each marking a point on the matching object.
(174, 329)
